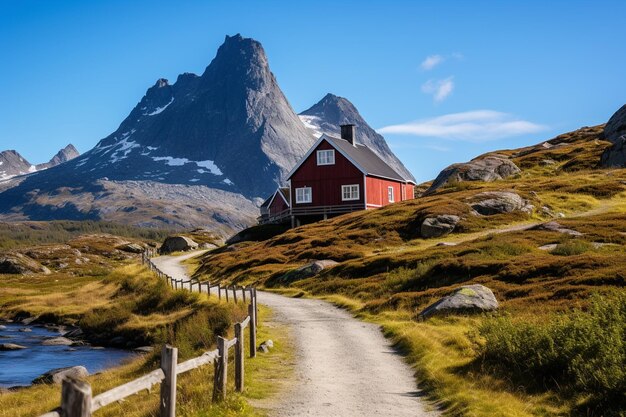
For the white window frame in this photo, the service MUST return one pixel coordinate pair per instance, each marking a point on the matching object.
(351, 190)
(301, 194)
(326, 157)
(391, 197)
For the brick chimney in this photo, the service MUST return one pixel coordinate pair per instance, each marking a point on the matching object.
(348, 132)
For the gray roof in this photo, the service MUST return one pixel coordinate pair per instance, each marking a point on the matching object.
(371, 163)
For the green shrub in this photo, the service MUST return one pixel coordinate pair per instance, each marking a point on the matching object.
(572, 247)
(584, 351)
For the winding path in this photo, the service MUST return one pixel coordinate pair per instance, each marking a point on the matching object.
(345, 367)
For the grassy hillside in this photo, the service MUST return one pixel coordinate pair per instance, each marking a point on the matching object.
(387, 273)
(110, 296)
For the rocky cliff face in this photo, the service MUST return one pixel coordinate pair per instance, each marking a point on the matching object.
(615, 132)
(332, 111)
(230, 130)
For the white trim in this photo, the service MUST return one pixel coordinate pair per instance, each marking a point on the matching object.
(374, 205)
(283, 197)
(365, 191)
(310, 195)
(393, 197)
(358, 192)
(326, 152)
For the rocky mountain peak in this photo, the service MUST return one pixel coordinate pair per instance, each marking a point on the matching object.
(66, 154)
(327, 115)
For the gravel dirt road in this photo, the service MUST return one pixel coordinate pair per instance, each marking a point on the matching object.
(345, 367)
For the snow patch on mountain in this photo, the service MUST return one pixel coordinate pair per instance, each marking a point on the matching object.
(159, 109)
(177, 162)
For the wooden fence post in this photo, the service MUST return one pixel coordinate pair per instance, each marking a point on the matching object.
(208, 288)
(252, 330)
(219, 291)
(239, 346)
(221, 369)
(227, 293)
(243, 294)
(75, 398)
(256, 310)
(169, 359)
(235, 293)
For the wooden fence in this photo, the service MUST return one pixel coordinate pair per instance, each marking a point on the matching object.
(77, 399)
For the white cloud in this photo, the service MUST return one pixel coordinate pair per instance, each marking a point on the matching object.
(431, 62)
(472, 126)
(439, 89)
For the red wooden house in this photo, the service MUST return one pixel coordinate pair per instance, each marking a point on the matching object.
(338, 176)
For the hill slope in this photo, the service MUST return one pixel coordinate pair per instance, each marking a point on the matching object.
(543, 240)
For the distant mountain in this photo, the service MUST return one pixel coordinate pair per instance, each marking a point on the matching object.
(66, 154)
(13, 164)
(332, 111)
(230, 130)
(202, 151)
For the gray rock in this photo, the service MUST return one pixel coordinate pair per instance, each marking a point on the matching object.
(118, 341)
(489, 168)
(144, 349)
(554, 226)
(29, 320)
(19, 264)
(309, 270)
(615, 132)
(446, 244)
(25, 330)
(3, 327)
(177, 244)
(547, 162)
(57, 341)
(10, 346)
(466, 299)
(131, 248)
(498, 202)
(78, 332)
(548, 247)
(265, 346)
(56, 375)
(438, 226)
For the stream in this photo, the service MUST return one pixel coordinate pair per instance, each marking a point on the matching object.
(20, 367)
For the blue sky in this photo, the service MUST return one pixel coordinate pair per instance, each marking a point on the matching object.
(444, 81)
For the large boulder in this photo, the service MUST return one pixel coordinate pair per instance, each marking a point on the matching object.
(466, 299)
(615, 132)
(16, 263)
(10, 346)
(489, 203)
(177, 244)
(439, 225)
(307, 271)
(487, 169)
(131, 248)
(56, 376)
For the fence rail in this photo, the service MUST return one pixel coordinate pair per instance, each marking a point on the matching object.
(77, 399)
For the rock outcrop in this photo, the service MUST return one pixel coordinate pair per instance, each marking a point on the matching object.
(439, 225)
(307, 271)
(177, 244)
(499, 202)
(487, 169)
(16, 263)
(56, 376)
(466, 299)
(615, 132)
(10, 346)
